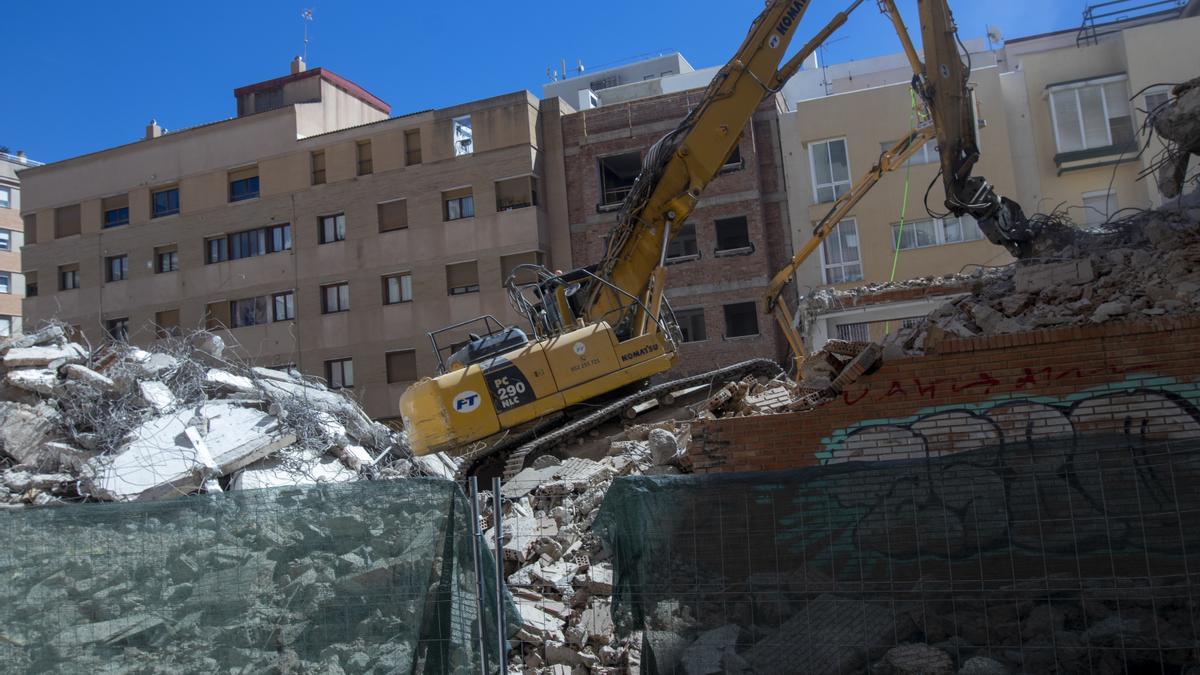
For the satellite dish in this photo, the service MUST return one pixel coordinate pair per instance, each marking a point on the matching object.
(994, 34)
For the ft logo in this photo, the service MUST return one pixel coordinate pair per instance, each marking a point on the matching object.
(466, 402)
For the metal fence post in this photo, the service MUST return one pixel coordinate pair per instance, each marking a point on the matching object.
(476, 541)
(501, 628)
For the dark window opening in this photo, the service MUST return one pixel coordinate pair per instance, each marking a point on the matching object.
(685, 245)
(741, 320)
(691, 324)
(243, 188)
(617, 175)
(732, 234)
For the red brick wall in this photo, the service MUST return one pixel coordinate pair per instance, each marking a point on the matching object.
(1138, 378)
(755, 192)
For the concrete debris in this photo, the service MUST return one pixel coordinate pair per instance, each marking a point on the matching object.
(1147, 265)
(124, 423)
(1178, 122)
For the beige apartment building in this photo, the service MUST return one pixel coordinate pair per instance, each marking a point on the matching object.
(1057, 130)
(314, 229)
(12, 237)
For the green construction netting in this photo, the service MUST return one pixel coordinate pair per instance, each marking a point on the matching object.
(1071, 555)
(367, 577)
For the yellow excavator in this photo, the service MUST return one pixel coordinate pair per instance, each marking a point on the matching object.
(597, 334)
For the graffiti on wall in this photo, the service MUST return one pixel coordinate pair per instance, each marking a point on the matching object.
(1145, 406)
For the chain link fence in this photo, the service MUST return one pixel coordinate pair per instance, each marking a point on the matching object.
(1074, 556)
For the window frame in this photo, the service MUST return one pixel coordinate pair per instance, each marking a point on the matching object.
(62, 276)
(341, 297)
(692, 312)
(380, 207)
(717, 250)
(364, 166)
(154, 212)
(5, 197)
(117, 222)
(289, 306)
(6, 283)
(1077, 87)
(939, 233)
(5, 239)
(341, 366)
(826, 266)
(400, 277)
(686, 256)
(461, 148)
(162, 253)
(455, 291)
(313, 170)
(338, 232)
(387, 365)
(602, 185)
(460, 201)
(120, 322)
(410, 148)
(234, 197)
(753, 312)
(812, 170)
(121, 273)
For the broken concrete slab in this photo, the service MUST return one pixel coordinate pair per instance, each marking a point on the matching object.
(38, 381)
(289, 468)
(26, 357)
(238, 436)
(85, 375)
(24, 428)
(164, 456)
(156, 395)
(597, 623)
(221, 380)
(109, 632)
(599, 579)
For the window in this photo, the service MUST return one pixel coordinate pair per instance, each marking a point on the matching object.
(831, 169)
(166, 259)
(5, 240)
(31, 284)
(840, 253)
(741, 320)
(248, 244)
(117, 329)
(957, 229)
(735, 161)
(1098, 207)
(462, 278)
(166, 324)
(397, 288)
(333, 228)
(617, 175)
(340, 373)
(510, 263)
(5, 197)
(732, 234)
(854, 332)
(363, 153)
(30, 222)
(684, 246)
(516, 193)
(464, 138)
(927, 154)
(335, 298)
(217, 315)
(116, 268)
(393, 215)
(691, 324)
(6, 326)
(401, 366)
(458, 204)
(66, 221)
(318, 167)
(412, 147)
(68, 277)
(283, 306)
(164, 202)
(248, 312)
(5, 283)
(1157, 98)
(1093, 114)
(116, 210)
(243, 184)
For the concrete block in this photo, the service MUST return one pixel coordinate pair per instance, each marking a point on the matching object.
(288, 469)
(38, 381)
(85, 375)
(156, 395)
(599, 579)
(164, 456)
(222, 380)
(24, 428)
(40, 356)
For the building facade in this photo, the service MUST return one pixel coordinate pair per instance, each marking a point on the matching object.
(313, 229)
(12, 237)
(719, 264)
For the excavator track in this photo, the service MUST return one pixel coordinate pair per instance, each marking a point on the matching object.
(527, 448)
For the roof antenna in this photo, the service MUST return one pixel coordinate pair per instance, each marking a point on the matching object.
(307, 17)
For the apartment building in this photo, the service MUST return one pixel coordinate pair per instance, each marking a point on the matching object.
(315, 230)
(719, 264)
(1057, 130)
(12, 237)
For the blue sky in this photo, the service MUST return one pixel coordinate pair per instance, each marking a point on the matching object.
(84, 76)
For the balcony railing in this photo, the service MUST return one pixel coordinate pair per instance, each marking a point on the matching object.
(19, 159)
(1114, 16)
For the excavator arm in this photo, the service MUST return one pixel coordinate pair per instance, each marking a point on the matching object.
(940, 83)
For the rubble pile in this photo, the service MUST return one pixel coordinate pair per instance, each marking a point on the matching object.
(824, 376)
(559, 573)
(1147, 265)
(121, 423)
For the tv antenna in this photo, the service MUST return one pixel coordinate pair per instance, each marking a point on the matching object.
(307, 17)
